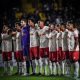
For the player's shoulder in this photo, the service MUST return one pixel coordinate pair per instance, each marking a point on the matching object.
(76, 31)
(26, 27)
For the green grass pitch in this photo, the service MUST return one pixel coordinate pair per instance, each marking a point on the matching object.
(18, 77)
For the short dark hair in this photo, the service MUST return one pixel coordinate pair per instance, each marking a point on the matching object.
(74, 24)
(25, 20)
(32, 19)
(63, 25)
(18, 23)
(42, 21)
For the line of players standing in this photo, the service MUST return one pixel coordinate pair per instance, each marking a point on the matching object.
(52, 49)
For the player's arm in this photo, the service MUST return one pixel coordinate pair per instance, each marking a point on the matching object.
(76, 40)
(49, 35)
(38, 32)
(5, 37)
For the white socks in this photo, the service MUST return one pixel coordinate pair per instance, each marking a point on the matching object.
(76, 70)
(37, 64)
(54, 68)
(68, 66)
(46, 66)
(24, 70)
(10, 65)
(5, 66)
(34, 66)
(50, 67)
(58, 68)
(41, 65)
(20, 67)
(63, 67)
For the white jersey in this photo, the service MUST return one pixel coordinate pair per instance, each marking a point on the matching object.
(3, 44)
(64, 41)
(18, 41)
(34, 39)
(58, 40)
(76, 35)
(6, 42)
(43, 39)
(52, 41)
(71, 40)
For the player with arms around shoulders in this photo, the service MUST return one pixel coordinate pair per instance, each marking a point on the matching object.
(6, 36)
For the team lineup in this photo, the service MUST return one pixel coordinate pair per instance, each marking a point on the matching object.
(54, 47)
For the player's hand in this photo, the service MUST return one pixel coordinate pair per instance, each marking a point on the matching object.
(13, 33)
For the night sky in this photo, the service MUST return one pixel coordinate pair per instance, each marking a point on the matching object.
(7, 5)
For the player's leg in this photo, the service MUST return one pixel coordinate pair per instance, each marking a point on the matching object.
(20, 59)
(10, 63)
(76, 71)
(50, 64)
(32, 58)
(5, 62)
(25, 56)
(59, 61)
(36, 56)
(41, 54)
(76, 63)
(63, 62)
(20, 67)
(24, 67)
(68, 63)
(54, 63)
(17, 60)
(63, 67)
(28, 60)
(40, 65)
(51, 67)
(37, 65)
(58, 68)
(34, 67)
(54, 68)
(46, 60)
